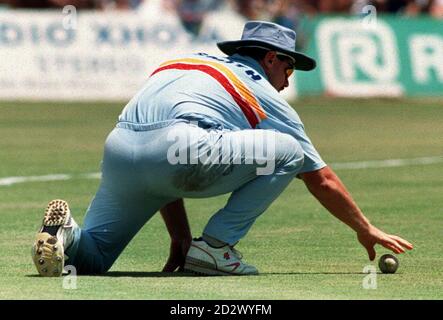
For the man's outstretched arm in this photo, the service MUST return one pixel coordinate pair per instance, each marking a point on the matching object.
(176, 221)
(325, 185)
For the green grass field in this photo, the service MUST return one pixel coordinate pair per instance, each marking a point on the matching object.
(301, 251)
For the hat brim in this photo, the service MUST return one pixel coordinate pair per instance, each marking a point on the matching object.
(302, 62)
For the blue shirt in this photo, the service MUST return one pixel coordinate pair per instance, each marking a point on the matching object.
(225, 92)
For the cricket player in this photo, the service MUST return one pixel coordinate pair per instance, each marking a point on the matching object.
(203, 126)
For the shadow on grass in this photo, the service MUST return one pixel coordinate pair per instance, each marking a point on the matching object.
(314, 273)
(147, 274)
(140, 274)
(130, 274)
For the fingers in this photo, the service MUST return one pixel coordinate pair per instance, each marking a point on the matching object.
(393, 247)
(396, 244)
(170, 266)
(174, 261)
(391, 242)
(403, 242)
(177, 255)
(371, 252)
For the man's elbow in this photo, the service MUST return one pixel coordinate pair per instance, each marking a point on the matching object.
(321, 181)
(324, 187)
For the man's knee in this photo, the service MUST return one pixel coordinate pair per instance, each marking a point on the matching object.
(93, 265)
(289, 154)
(91, 256)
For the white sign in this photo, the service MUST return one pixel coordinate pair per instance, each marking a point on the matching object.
(426, 56)
(356, 60)
(72, 55)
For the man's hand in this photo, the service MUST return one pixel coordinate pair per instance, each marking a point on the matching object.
(374, 236)
(176, 221)
(332, 194)
(177, 255)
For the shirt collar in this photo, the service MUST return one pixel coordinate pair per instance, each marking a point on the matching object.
(250, 62)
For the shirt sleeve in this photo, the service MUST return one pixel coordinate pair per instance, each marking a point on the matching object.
(283, 118)
(312, 160)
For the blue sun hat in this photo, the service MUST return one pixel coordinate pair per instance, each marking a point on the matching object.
(268, 35)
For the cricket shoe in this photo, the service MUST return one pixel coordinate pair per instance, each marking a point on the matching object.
(225, 261)
(55, 235)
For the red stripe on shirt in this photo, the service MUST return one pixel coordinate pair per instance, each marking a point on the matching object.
(223, 80)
